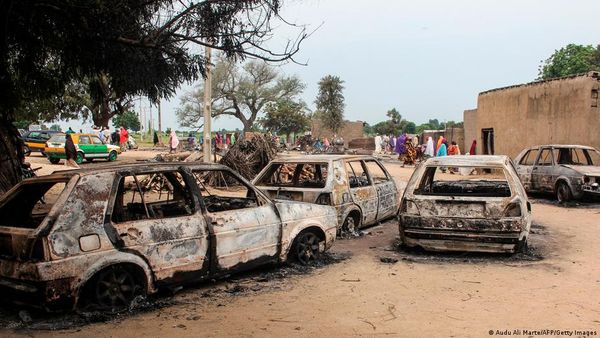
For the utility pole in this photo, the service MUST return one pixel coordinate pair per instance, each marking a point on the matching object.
(207, 146)
(159, 119)
(142, 120)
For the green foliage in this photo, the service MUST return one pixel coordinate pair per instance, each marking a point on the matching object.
(285, 117)
(242, 92)
(330, 102)
(569, 60)
(129, 120)
(410, 128)
(55, 127)
(22, 124)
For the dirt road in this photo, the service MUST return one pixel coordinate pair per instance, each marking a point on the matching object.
(555, 286)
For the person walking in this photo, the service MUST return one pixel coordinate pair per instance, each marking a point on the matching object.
(123, 138)
(473, 150)
(443, 149)
(70, 152)
(173, 142)
(453, 149)
(429, 150)
(410, 155)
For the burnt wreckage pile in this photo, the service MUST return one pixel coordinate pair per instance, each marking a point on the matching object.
(247, 157)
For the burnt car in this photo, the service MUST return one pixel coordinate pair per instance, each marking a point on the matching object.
(35, 140)
(465, 203)
(567, 171)
(359, 187)
(101, 237)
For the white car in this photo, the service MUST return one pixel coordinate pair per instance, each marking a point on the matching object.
(465, 203)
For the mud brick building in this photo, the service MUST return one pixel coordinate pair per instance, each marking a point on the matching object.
(351, 130)
(557, 111)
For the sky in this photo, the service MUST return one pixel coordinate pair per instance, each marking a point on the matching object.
(429, 58)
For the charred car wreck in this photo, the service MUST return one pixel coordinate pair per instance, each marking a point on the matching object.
(568, 171)
(465, 203)
(102, 237)
(359, 187)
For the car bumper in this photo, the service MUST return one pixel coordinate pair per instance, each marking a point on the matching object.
(54, 295)
(444, 240)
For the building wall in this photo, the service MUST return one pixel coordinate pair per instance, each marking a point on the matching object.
(562, 111)
(350, 130)
(470, 125)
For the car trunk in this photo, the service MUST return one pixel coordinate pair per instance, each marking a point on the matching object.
(24, 210)
(463, 206)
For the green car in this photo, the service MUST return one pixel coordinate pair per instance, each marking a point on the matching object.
(89, 147)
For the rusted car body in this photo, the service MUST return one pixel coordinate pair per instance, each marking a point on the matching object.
(568, 171)
(106, 235)
(359, 187)
(465, 203)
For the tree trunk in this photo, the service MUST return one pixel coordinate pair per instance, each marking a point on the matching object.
(11, 155)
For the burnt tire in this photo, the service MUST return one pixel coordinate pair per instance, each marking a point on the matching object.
(522, 246)
(350, 225)
(306, 249)
(114, 288)
(563, 192)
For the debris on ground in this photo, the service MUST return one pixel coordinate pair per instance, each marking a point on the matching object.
(388, 260)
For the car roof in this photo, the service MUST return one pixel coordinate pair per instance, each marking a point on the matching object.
(320, 157)
(134, 167)
(562, 146)
(475, 160)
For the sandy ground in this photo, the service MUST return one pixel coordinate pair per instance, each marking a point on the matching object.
(554, 287)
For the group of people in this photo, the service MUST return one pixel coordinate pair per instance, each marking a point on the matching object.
(405, 146)
(409, 150)
(223, 140)
(442, 148)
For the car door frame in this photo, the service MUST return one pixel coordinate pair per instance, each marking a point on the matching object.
(116, 237)
(541, 175)
(213, 224)
(383, 189)
(524, 171)
(365, 197)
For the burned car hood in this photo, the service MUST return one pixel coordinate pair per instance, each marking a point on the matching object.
(593, 170)
(292, 210)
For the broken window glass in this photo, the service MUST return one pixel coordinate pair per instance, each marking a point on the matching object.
(376, 172)
(464, 181)
(217, 197)
(357, 175)
(529, 157)
(545, 157)
(308, 175)
(30, 204)
(152, 196)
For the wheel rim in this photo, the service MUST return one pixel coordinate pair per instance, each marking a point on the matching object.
(562, 193)
(349, 224)
(112, 156)
(115, 289)
(79, 158)
(307, 249)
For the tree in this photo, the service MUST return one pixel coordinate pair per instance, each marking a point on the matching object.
(242, 92)
(393, 126)
(569, 60)
(285, 117)
(144, 48)
(410, 128)
(55, 127)
(330, 103)
(129, 120)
